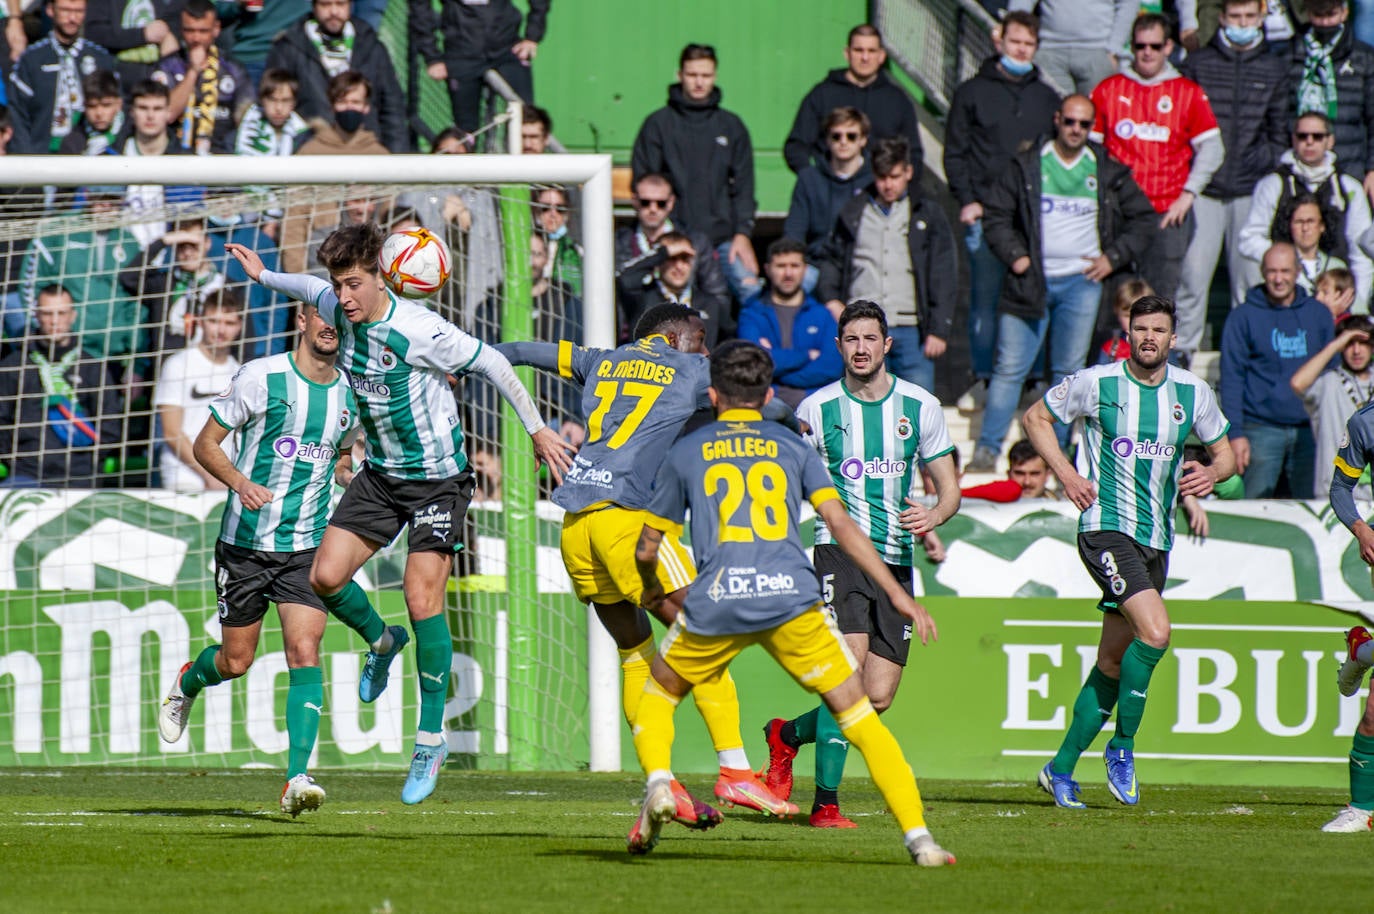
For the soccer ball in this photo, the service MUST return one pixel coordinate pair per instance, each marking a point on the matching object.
(415, 262)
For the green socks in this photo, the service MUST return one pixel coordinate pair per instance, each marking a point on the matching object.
(433, 656)
(804, 728)
(351, 607)
(1092, 709)
(202, 673)
(1362, 772)
(304, 704)
(1136, 669)
(831, 751)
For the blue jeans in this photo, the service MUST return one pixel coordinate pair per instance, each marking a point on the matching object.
(907, 360)
(744, 285)
(1070, 315)
(986, 273)
(13, 316)
(1362, 20)
(1277, 449)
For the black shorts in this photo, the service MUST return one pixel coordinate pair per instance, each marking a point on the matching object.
(246, 579)
(376, 507)
(860, 606)
(1121, 566)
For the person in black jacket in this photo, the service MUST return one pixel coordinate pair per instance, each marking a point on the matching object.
(1063, 217)
(652, 201)
(328, 42)
(137, 34)
(477, 37)
(862, 85)
(45, 84)
(706, 153)
(1249, 91)
(666, 275)
(895, 248)
(1006, 105)
(59, 415)
(1333, 74)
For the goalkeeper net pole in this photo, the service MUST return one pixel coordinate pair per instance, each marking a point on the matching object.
(107, 590)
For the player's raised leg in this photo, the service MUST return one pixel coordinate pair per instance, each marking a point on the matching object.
(1150, 624)
(341, 553)
(229, 659)
(302, 629)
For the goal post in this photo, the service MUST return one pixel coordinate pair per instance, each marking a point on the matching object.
(514, 681)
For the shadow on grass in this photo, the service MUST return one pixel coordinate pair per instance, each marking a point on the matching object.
(621, 856)
(192, 813)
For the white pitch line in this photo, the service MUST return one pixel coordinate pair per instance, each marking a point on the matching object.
(1202, 757)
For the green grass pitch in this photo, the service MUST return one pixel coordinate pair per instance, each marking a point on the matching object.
(84, 840)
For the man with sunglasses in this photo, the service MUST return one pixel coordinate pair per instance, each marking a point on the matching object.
(1161, 126)
(825, 186)
(667, 276)
(1311, 167)
(1006, 104)
(653, 200)
(1063, 217)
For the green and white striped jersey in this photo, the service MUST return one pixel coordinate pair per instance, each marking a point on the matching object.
(290, 432)
(1133, 438)
(399, 369)
(871, 450)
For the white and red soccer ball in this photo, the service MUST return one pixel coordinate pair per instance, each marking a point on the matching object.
(415, 263)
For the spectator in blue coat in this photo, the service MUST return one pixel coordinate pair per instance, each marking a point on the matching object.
(1268, 338)
(797, 330)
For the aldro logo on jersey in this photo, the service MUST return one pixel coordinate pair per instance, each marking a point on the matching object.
(877, 468)
(288, 447)
(1126, 448)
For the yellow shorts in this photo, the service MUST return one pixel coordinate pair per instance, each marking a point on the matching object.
(599, 552)
(810, 648)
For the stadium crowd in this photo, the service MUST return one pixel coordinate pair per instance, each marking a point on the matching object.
(1106, 146)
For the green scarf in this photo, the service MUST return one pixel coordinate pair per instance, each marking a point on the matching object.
(1317, 86)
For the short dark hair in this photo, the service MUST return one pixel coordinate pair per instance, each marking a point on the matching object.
(538, 189)
(56, 288)
(864, 30)
(1153, 304)
(533, 114)
(859, 311)
(100, 84)
(678, 236)
(199, 9)
(147, 88)
(1021, 452)
(786, 246)
(345, 83)
(352, 246)
(1319, 115)
(1146, 21)
(891, 153)
(273, 78)
(846, 115)
(664, 318)
(1323, 7)
(222, 299)
(454, 133)
(1027, 21)
(696, 52)
(741, 373)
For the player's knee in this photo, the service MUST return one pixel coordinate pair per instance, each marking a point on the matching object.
(1156, 636)
(881, 701)
(302, 655)
(234, 664)
(325, 581)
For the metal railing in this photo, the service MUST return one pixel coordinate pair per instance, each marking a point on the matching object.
(938, 43)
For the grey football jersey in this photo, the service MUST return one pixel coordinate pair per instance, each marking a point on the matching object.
(743, 478)
(636, 400)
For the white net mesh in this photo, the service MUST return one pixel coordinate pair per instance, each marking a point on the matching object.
(106, 569)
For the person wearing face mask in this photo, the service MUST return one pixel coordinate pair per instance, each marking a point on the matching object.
(1250, 96)
(1333, 74)
(350, 94)
(1006, 104)
(563, 263)
(1282, 20)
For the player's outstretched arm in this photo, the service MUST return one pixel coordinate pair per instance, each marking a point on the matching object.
(1039, 425)
(549, 446)
(210, 455)
(298, 286)
(857, 546)
(540, 355)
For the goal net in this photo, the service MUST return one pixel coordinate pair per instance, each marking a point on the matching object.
(111, 353)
